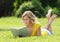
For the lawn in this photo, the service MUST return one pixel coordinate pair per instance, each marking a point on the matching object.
(14, 22)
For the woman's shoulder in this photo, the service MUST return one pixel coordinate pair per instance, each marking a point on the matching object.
(37, 24)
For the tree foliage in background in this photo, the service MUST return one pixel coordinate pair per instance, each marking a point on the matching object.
(34, 6)
(38, 7)
(52, 3)
(17, 3)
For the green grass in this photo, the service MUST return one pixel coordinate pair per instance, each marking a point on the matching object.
(13, 22)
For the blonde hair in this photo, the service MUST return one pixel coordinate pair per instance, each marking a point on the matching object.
(30, 15)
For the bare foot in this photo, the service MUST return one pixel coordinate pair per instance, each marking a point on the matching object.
(52, 18)
(49, 13)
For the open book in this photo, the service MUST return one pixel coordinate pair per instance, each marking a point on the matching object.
(21, 32)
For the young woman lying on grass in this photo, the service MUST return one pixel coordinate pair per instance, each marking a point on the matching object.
(34, 28)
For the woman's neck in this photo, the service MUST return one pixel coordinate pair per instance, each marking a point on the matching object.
(30, 26)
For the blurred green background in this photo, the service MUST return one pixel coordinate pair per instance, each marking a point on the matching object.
(38, 7)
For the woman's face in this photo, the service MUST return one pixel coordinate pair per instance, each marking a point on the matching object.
(26, 20)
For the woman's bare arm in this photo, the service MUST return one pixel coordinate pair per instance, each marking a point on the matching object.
(39, 32)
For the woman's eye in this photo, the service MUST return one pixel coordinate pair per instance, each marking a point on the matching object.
(25, 19)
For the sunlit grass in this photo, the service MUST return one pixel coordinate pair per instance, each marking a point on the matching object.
(13, 22)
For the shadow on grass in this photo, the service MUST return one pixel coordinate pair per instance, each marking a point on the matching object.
(5, 29)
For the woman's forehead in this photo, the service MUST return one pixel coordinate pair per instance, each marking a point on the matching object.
(25, 17)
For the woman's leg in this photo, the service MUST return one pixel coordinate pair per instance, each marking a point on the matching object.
(48, 26)
(50, 20)
(49, 14)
